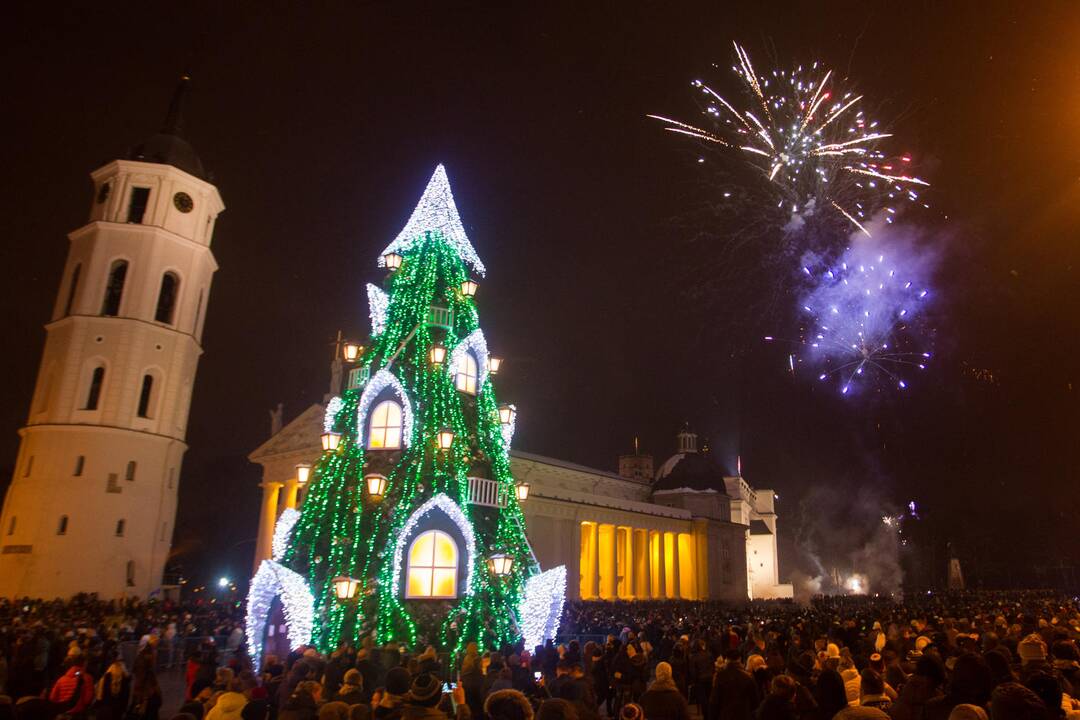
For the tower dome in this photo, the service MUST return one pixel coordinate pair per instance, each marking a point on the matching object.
(169, 146)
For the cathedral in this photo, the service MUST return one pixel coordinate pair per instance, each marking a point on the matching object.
(93, 498)
(686, 530)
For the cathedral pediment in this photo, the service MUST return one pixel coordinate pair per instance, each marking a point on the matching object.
(300, 435)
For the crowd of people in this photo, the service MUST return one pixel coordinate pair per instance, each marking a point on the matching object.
(976, 656)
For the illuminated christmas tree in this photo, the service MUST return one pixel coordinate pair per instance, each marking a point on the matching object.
(411, 527)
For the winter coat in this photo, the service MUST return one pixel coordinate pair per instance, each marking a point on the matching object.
(229, 705)
(700, 668)
(663, 701)
(734, 694)
(776, 707)
(911, 705)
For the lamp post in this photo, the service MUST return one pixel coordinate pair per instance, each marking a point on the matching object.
(345, 587)
(352, 351)
(437, 354)
(507, 413)
(522, 491)
(500, 564)
(468, 287)
(445, 438)
(392, 261)
(376, 486)
(494, 363)
(330, 441)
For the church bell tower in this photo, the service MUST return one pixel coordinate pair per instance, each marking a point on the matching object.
(92, 502)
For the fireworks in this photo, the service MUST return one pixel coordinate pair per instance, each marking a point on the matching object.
(810, 140)
(859, 322)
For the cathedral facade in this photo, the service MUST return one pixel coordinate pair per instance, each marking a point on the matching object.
(686, 530)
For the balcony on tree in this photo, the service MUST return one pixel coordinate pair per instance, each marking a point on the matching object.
(440, 317)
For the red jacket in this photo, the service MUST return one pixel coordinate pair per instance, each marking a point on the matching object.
(76, 679)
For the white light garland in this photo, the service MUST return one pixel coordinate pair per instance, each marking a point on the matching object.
(282, 530)
(436, 212)
(475, 342)
(378, 304)
(448, 506)
(541, 606)
(332, 409)
(273, 580)
(382, 380)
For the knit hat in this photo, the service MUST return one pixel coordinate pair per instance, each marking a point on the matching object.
(1031, 649)
(353, 677)
(965, 711)
(508, 705)
(398, 681)
(832, 650)
(921, 642)
(426, 690)
(631, 711)
(754, 662)
(663, 671)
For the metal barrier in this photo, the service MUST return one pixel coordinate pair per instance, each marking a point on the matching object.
(174, 654)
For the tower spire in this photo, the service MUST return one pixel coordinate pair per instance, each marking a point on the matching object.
(174, 120)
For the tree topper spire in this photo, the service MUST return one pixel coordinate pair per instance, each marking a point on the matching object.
(436, 212)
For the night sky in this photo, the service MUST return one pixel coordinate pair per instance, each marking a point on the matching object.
(321, 129)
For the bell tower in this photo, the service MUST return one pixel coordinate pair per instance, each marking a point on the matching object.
(93, 499)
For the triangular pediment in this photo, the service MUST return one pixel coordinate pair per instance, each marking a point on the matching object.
(301, 433)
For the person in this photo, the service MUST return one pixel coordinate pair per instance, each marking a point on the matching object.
(229, 706)
(425, 694)
(872, 691)
(968, 712)
(335, 710)
(113, 692)
(1013, 701)
(556, 709)
(471, 678)
(389, 702)
(780, 703)
(145, 696)
(699, 677)
(351, 691)
(73, 692)
(734, 693)
(507, 705)
(303, 703)
(829, 694)
(663, 701)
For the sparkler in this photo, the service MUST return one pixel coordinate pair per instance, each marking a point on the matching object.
(811, 141)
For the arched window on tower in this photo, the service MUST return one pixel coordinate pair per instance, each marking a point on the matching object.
(61, 528)
(433, 566)
(466, 373)
(114, 290)
(73, 287)
(384, 429)
(120, 528)
(166, 301)
(129, 573)
(145, 395)
(11, 525)
(93, 395)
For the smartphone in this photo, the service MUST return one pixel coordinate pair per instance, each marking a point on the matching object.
(537, 675)
(448, 687)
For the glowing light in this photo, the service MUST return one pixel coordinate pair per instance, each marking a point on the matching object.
(541, 606)
(282, 532)
(223, 582)
(500, 564)
(376, 485)
(378, 302)
(270, 581)
(351, 351)
(345, 587)
(468, 288)
(381, 381)
(522, 491)
(446, 439)
(333, 407)
(451, 509)
(436, 212)
(303, 472)
(330, 441)
(391, 261)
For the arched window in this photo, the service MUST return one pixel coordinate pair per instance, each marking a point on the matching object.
(384, 430)
(166, 300)
(467, 373)
(61, 528)
(93, 395)
(120, 528)
(11, 525)
(145, 394)
(433, 566)
(72, 289)
(129, 573)
(129, 474)
(114, 290)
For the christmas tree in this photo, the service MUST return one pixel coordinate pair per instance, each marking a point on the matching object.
(411, 528)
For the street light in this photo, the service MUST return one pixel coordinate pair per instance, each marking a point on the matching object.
(446, 438)
(345, 587)
(303, 472)
(494, 363)
(522, 490)
(507, 413)
(437, 354)
(468, 287)
(376, 485)
(352, 351)
(501, 564)
(330, 441)
(392, 261)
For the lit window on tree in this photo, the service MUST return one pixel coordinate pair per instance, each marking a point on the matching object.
(385, 428)
(433, 566)
(467, 374)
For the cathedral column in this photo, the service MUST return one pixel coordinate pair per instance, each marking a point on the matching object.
(675, 564)
(596, 559)
(661, 566)
(292, 490)
(648, 565)
(267, 520)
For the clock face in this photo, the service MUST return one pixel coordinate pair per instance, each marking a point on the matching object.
(183, 202)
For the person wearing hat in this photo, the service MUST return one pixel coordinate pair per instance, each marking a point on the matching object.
(425, 696)
(351, 691)
(734, 692)
(389, 703)
(663, 701)
(507, 705)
